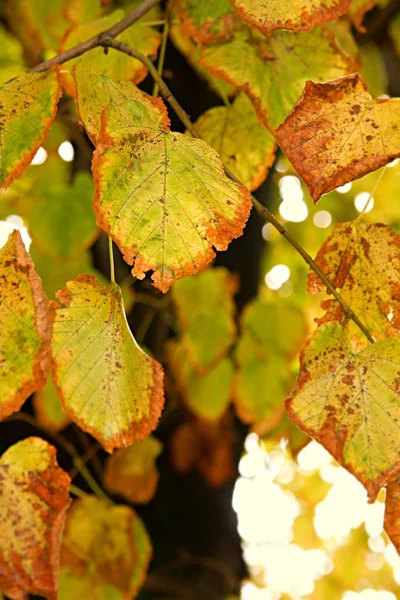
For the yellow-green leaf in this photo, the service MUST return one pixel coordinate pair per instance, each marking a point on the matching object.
(349, 402)
(105, 553)
(107, 384)
(207, 395)
(363, 261)
(394, 30)
(132, 472)
(206, 312)
(47, 406)
(297, 15)
(271, 335)
(337, 133)
(276, 68)
(115, 64)
(163, 196)
(24, 325)
(11, 56)
(28, 106)
(95, 91)
(33, 502)
(192, 53)
(374, 69)
(245, 146)
(207, 21)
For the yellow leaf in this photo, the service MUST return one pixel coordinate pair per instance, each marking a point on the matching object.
(28, 106)
(349, 402)
(163, 196)
(363, 261)
(297, 15)
(33, 502)
(24, 325)
(132, 472)
(105, 553)
(107, 384)
(337, 133)
(245, 146)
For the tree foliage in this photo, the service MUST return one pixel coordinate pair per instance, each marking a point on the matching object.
(286, 75)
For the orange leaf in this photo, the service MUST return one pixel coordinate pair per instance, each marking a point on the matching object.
(33, 502)
(337, 133)
(392, 512)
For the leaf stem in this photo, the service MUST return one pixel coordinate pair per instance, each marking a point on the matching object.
(111, 253)
(74, 489)
(260, 208)
(371, 194)
(161, 57)
(96, 40)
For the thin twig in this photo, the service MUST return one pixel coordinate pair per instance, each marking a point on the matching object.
(161, 57)
(261, 209)
(111, 254)
(96, 40)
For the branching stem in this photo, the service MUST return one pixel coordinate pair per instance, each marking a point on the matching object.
(262, 210)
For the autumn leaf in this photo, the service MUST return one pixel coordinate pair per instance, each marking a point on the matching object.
(348, 401)
(205, 22)
(206, 447)
(192, 54)
(337, 133)
(363, 261)
(47, 407)
(271, 335)
(276, 68)
(33, 502)
(106, 383)
(207, 395)
(132, 472)
(297, 15)
(11, 56)
(245, 146)
(116, 65)
(105, 552)
(357, 10)
(25, 327)
(392, 512)
(95, 91)
(163, 196)
(28, 106)
(206, 311)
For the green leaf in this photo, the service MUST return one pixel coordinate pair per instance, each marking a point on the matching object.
(297, 15)
(245, 146)
(33, 502)
(206, 395)
(11, 56)
(276, 68)
(271, 335)
(24, 325)
(105, 553)
(349, 402)
(363, 261)
(394, 30)
(132, 472)
(115, 64)
(28, 106)
(60, 216)
(106, 383)
(163, 196)
(337, 133)
(374, 70)
(206, 311)
(48, 411)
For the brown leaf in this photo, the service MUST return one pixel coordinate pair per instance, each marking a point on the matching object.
(33, 502)
(337, 133)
